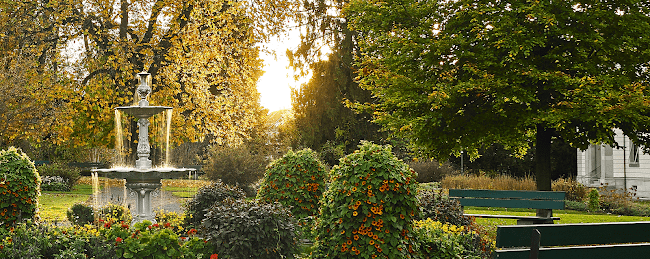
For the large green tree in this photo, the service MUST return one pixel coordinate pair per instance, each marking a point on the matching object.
(456, 75)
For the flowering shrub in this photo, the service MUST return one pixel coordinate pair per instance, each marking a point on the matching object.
(297, 180)
(243, 229)
(205, 198)
(367, 211)
(114, 213)
(441, 240)
(19, 187)
(437, 207)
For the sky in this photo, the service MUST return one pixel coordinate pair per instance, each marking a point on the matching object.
(276, 83)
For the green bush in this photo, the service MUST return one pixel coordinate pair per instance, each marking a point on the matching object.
(369, 207)
(69, 174)
(297, 180)
(446, 241)
(575, 205)
(80, 214)
(54, 184)
(440, 208)
(594, 202)
(207, 196)
(235, 166)
(243, 229)
(19, 187)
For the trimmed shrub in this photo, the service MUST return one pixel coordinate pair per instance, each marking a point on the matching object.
(594, 203)
(70, 176)
(80, 214)
(235, 166)
(19, 187)
(575, 205)
(369, 208)
(297, 180)
(242, 229)
(435, 206)
(54, 184)
(448, 241)
(207, 196)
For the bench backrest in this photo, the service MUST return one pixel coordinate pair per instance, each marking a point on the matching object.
(509, 199)
(595, 240)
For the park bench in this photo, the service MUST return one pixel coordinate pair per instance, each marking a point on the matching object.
(544, 201)
(590, 240)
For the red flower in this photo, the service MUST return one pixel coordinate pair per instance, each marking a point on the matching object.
(118, 240)
(191, 232)
(107, 225)
(214, 256)
(156, 225)
(167, 225)
(125, 226)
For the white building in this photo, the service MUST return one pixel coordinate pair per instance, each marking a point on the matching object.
(620, 168)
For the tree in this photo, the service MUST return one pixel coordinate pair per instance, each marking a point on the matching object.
(322, 120)
(202, 56)
(455, 75)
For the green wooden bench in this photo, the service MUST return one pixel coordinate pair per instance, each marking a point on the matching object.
(591, 240)
(546, 202)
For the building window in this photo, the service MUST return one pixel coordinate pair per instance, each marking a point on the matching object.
(634, 155)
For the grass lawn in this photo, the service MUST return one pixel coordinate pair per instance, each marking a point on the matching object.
(53, 205)
(566, 217)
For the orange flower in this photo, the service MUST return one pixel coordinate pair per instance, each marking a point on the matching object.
(372, 242)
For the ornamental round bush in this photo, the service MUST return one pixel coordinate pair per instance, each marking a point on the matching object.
(80, 214)
(297, 180)
(369, 208)
(205, 198)
(250, 229)
(19, 187)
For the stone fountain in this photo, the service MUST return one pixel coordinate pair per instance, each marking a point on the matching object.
(143, 179)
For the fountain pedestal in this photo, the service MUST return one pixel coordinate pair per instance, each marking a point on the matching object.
(143, 179)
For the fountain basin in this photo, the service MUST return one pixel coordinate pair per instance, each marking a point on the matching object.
(153, 175)
(143, 112)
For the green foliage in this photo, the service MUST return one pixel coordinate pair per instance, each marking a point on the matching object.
(69, 174)
(243, 229)
(594, 201)
(205, 198)
(80, 214)
(235, 166)
(460, 75)
(368, 208)
(19, 187)
(575, 205)
(297, 180)
(441, 241)
(49, 242)
(435, 206)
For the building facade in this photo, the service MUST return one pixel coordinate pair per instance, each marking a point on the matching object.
(621, 168)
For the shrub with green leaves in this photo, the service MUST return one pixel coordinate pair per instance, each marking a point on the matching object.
(19, 187)
(594, 202)
(369, 208)
(80, 214)
(297, 180)
(114, 213)
(70, 175)
(250, 229)
(440, 208)
(206, 197)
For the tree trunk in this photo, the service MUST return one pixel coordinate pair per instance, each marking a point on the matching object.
(543, 164)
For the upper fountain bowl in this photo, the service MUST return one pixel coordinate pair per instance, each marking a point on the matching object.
(143, 112)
